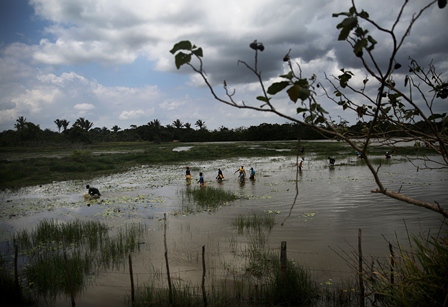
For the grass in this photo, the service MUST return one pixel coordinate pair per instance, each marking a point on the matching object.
(59, 258)
(256, 222)
(205, 198)
(419, 274)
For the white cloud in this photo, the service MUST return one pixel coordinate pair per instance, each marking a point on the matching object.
(84, 107)
(131, 115)
(86, 55)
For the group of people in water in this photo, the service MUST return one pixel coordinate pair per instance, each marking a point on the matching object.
(220, 175)
(95, 193)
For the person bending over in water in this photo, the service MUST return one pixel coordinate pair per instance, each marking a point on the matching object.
(187, 173)
(220, 175)
(93, 191)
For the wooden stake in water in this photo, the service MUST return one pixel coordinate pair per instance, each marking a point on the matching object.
(132, 279)
(166, 260)
(283, 259)
(204, 293)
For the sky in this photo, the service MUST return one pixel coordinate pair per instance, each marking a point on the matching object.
(108, 61)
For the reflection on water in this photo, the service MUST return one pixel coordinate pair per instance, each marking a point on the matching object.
(333, 203)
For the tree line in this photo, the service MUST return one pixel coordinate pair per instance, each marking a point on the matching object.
(82, 130)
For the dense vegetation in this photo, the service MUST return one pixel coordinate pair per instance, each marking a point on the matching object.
(82, 132)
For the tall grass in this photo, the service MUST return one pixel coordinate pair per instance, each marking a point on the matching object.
(205, 198)
(418, 275)
(255, 222)
(58, 258)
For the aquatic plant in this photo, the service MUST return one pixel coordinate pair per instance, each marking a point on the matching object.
(417, 275)
(57, 258)
(208, 198)
(256, 222)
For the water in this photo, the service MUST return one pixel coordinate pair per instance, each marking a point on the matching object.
(332, 205)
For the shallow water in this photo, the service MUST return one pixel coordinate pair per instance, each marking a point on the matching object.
(333, 203)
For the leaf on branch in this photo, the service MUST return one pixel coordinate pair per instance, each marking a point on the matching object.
(288, 76)
(181, 59)
(262, 98)
(277, 87)
(296, 92)
(359, 45)
(321, 110)
(198, 52)
(433, 117)
(319, 120)
(364, 14)
(372, 41)
(346, 26)
(344, 78)
(183, 45)
(301, 110)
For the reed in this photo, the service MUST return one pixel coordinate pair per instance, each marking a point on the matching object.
(206, 198)
(57, 258)
(255, 222)
(417, 275)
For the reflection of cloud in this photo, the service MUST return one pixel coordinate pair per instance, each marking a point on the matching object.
(133, 114)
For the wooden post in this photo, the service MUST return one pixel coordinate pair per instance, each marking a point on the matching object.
(360, 271)
(132, 279)
(283, 265)
(204, 293)
(166, 260)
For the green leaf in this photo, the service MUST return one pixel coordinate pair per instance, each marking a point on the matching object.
(181, 59)
(319, 120)
(364, 14)
(344, 78)
(301, 110)
(262, 98)
(296, 92)
(321, 110)
(288, 76)
(277, 87)
(182, 45)
(304, 93)
(436, 116)
(346, 26)
(198, 52)
(293, 92)
(359, 45)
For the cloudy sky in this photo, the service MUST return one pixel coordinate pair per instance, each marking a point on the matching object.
(109, 62)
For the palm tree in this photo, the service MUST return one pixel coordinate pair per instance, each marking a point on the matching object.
(58, 123)
(187, 125)
(21, 123)
(178, 124)
(83, 123)
(65, 123)
(155, 124)
(200, 124)
(115, 129)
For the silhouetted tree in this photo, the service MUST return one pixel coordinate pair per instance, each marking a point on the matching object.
(58, 123)
(83, 123)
